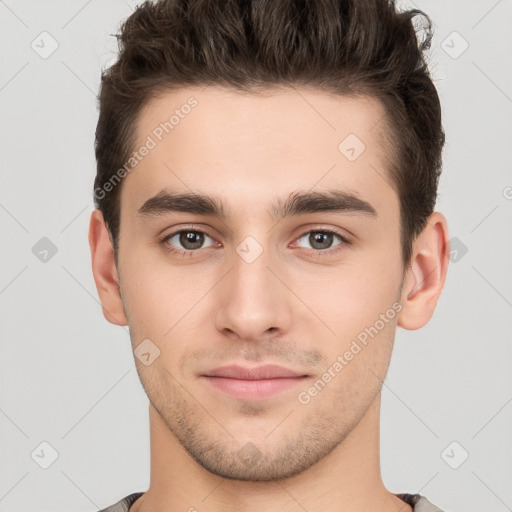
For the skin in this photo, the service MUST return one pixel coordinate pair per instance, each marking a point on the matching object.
(288, 307)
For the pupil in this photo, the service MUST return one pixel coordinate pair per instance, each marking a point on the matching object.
(321, 238)
(187, 238)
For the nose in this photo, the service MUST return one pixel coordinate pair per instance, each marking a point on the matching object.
(254, 300)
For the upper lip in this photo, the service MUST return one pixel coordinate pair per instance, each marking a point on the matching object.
(268, 371)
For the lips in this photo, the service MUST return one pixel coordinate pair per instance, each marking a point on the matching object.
(268, 371)
(258, 383)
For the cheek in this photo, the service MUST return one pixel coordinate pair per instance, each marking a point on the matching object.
(166, 301)
(352, 297)
(155, 298)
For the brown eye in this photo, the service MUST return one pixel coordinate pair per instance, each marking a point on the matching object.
(186, 240)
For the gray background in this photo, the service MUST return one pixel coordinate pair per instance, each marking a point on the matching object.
(67, 376)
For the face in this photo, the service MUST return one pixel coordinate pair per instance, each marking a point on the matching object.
(310, 288)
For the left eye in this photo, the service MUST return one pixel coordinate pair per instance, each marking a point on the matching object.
(321, 240)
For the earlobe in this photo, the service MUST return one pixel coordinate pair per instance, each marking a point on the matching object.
(104, 270)
(426, 275)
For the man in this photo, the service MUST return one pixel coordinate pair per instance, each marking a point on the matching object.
(267, 175)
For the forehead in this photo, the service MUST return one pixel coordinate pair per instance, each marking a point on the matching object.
(249, 145)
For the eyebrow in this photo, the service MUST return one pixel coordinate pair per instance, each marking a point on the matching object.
(337, 201)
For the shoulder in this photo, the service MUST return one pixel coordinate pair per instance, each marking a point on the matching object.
(124, 504)
(419, 503)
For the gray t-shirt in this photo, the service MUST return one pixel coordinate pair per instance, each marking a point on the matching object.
(418, 503)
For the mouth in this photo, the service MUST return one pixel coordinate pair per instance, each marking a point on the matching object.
(253, 383)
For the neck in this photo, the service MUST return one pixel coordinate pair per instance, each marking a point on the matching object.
(346, 479)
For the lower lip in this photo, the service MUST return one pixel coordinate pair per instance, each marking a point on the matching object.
(253, 389)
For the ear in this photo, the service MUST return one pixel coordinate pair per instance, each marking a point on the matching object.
(426, 275)
(105, 271)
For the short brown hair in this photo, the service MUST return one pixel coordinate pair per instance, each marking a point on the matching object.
(346, 47)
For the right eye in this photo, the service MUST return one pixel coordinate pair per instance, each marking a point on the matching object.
(190, 239)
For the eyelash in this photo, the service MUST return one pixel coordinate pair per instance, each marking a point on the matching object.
(315, 252)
